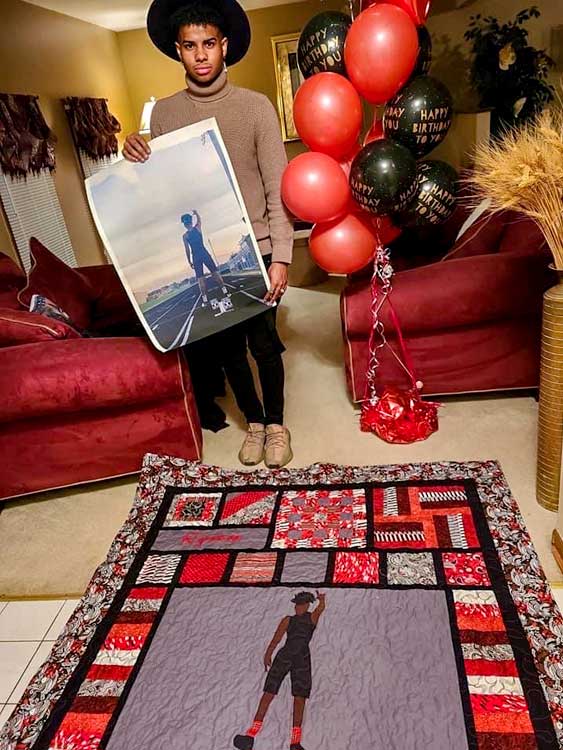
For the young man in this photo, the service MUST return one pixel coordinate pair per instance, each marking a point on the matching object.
(294, 658)
(206, 37)
(198, 256)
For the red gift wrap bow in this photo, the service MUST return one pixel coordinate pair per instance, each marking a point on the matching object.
(396, 416)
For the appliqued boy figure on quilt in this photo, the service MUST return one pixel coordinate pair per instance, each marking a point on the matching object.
(294, 658)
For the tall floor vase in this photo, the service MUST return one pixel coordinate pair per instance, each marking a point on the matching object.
(550, 424)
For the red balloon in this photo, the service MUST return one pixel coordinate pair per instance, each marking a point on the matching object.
(328, 114)
(314, 188)
(381, 52)
(418, 10)
(376, 132)
(343, 246)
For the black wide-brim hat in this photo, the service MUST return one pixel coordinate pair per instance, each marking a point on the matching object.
(304, 597)
(237, 26)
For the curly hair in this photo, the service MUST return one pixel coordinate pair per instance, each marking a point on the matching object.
(198, 14)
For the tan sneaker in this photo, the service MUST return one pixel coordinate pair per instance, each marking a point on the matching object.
(252, 451)
(278, 446)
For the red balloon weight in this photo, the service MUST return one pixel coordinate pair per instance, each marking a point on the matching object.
(328, 114)
(314, 188)
(343, 246)
(381, 52)
(376, 132)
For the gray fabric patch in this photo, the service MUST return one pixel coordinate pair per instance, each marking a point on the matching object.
(171, 540)
(307, 567)
(384, 673)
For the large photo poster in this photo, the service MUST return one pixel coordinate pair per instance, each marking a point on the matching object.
(179, 236)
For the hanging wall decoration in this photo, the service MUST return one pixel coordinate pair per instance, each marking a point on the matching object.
(93, 126)
(27, 144)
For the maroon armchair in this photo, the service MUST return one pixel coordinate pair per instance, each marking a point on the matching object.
(470, 310)
(77, 409)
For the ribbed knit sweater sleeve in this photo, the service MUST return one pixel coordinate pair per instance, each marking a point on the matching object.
(272, 161)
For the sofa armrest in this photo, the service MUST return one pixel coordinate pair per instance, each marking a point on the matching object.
(455, 293)
(85, 374)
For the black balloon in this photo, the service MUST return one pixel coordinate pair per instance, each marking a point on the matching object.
(436, 195)
(321, 44)
(424, 60)
(419, 116)
(383, 177)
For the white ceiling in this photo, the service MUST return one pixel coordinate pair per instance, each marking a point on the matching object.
(121, 15)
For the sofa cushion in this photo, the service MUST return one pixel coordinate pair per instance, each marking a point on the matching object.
(22, 327)
(65, 286)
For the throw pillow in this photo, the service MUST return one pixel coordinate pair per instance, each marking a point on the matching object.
(11, 275)
(23, 327)
(51, 278)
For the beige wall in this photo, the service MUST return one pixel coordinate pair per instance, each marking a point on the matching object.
(150, 73)
(451, 51)
(53, 55)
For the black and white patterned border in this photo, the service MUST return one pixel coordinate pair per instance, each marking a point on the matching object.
(537, 610)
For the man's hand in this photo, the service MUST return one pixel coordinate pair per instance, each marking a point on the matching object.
(267, 660)
(321, 597)
(136, 148)
(278, 279)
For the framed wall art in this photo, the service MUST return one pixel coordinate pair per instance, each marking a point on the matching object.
(288, 80)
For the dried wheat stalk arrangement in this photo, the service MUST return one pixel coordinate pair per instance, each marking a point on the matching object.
(523, 171)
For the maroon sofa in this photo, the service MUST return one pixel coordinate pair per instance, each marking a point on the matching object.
(470, 310)
(77, 409)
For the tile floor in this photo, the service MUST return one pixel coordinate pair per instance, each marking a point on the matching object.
(27, 633)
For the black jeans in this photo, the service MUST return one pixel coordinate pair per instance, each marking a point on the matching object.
(259, 334)
(228, 350)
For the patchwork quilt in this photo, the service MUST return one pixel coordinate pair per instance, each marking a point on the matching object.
(389, 608)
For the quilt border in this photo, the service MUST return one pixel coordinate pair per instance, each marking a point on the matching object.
(538, 613)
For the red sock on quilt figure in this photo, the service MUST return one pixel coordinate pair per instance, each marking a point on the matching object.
(255, 728)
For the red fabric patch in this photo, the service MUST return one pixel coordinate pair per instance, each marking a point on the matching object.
(470, 531)
(254, 568)
(95, 704)
(505, 668)
(244, 500)
(63, 285)
(205, 568)
(482, 638)
(148, 592)
(501, 703)
(510, 724)
(356, 567)
(108, 672)
(465, 569)
(506, 741)
(122, 642)
(479, 617)
(90, 724)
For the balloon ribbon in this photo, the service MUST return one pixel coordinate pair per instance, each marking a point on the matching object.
(397, 415)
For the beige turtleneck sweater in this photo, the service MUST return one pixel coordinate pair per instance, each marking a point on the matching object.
(250, 128)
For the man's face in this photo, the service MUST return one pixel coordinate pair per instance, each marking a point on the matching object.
(202, 50)
(300, 609)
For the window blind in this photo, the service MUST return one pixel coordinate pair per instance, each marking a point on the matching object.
(33, 209)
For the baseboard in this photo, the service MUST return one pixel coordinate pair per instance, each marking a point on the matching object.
(557, 548)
